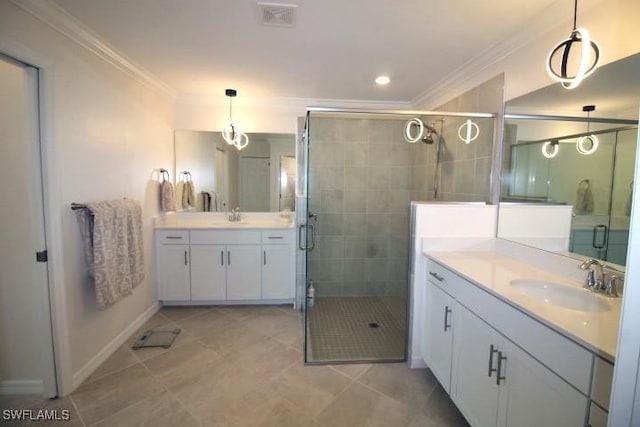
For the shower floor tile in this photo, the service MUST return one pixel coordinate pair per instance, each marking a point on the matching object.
(356, 329)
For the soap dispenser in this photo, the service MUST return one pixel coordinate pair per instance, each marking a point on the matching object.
(311, 295)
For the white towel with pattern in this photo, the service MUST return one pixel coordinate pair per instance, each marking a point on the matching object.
(112, 236)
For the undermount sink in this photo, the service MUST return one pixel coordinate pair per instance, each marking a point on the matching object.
(561, 295)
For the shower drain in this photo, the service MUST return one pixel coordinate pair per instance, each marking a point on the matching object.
(374, 325)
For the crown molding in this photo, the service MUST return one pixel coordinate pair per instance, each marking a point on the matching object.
(60, 20)
(290, 103)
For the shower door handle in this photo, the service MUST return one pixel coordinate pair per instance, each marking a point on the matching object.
(301, 231)
(605, 236)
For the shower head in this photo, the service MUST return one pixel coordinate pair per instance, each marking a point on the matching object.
(430, 130)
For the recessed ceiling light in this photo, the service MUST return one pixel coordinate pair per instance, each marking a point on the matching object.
(382, 80)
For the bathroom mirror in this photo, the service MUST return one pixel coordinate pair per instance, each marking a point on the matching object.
(259, 178)
(579, 164)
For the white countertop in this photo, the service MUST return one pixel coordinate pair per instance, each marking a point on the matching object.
(219, 220)
(493, 272)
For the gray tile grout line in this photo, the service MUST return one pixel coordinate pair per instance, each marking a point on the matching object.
(75, 406)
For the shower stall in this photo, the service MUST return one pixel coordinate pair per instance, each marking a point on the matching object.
(362, 170)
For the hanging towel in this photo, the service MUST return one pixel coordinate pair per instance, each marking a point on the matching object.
(584, 198)
(167, 196)
(188, 194)
(213, 201)
(112, 235)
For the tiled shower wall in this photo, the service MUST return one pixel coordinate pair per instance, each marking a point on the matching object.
(362, 176)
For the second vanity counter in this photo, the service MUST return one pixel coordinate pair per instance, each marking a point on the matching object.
(220, 220)
(493, 272)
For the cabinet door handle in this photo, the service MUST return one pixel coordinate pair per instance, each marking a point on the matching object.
(264, 253)
(492, 350)
(186, 261)
(447, 311)
(437, 276)
(221, 257)
(275, 237)
(229, 258)
(499, 375)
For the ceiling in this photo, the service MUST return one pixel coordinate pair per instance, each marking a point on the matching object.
(335, 50)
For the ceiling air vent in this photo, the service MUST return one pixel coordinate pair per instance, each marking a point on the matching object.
(277, 15)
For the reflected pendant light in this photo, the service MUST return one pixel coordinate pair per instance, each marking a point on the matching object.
(468, 132)
(232, 134)
(587, 144)
(589, 56)
(550, 153)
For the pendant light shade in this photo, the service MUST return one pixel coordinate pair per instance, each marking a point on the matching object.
(232, 134)
(589, 56)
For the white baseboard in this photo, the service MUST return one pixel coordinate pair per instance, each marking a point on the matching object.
(417, 363)
(93, 364)
(21, 387)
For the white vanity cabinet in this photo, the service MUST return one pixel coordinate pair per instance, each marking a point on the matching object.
(278, 255)
(439, 333)
(500, 359)
(218, 266)
(173, 265)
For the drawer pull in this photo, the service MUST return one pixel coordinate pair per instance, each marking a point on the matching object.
(174, 237)
(499, 375)
(492, 350)
(275, 237)
(436, 276)
(447, 311)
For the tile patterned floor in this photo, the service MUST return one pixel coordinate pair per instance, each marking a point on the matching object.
(242, 366)
(339, 329)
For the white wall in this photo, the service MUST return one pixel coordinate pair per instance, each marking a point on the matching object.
(612, 23)
(105, 136)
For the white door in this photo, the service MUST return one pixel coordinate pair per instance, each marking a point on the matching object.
(533, 396)
(276, 264)
(243, 272)
(26, 353)
(173, 272)
(208, 272)
(473, 387)
(254, 184)
(438, 346)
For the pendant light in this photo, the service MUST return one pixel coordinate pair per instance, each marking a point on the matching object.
(585, 67)
(587, 144)
(232, 134)
(550, 153)
(468, 132)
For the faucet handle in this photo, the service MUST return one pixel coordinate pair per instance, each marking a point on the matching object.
(590, 281)
(612, 286)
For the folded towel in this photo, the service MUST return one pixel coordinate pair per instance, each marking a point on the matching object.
(112, 236)
(167, 196)
(584, 198)
(213, 201)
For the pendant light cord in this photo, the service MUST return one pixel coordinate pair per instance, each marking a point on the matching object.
(575, 14)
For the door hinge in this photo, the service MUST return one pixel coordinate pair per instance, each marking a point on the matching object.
(42, 256)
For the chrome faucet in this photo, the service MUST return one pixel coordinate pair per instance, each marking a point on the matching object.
(234, 215)
(595, 275)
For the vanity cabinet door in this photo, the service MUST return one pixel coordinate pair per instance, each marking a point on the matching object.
(276, 265)
(173, 273)
(438, 344)
(474, 388)
(533, 396)
(244, 267)
(208, 272)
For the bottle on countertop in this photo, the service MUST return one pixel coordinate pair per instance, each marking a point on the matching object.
(311, 295)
